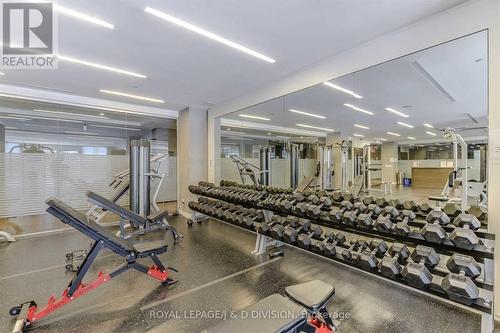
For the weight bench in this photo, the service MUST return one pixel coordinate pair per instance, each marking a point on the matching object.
(93, 211)
(28, 312)
(140, 223)
(302, 311)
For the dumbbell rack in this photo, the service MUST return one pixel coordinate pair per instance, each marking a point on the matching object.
(482, 254)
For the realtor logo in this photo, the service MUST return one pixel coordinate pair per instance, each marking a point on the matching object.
(28, 35)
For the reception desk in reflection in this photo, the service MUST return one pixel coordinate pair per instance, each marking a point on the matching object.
(430, 177)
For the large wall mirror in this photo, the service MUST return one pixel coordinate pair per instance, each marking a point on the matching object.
(398, 129)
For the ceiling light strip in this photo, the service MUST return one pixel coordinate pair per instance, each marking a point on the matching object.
(359, 135)
(71, 114)
(428, 125)
(207, 34)
(347, 91)
(315, 127)
(392, 133)
(397, 112)
(81, 16)
(405, 124)
(307, 114)
(358, 109)
(143, 98)
(431, 133)
(361, 126)
(99, 66)
(254, 117)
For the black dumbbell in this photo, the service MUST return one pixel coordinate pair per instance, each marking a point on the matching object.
(287, 203)
(365, 219)
(381, 202)
(350, 217)
(330, 249)
(424, 208)
(452, 209)
(463, 236)
(478, 211)
(252, 221)
(458, 284)
(384, 220)
(368, 200)
(433, 230)
(416, 273)
(402, 228)
(391, 266)
(396, 203)
(265, 227)
(329, 239)
(410, 205)
(305, 240)
(291, 233)
(353, 252)
(278, 230)
(335, 213)
(368, 259)
(314, 210)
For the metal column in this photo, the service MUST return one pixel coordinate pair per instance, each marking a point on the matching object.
(294, 165)
(327, 167)
(320, 161)
(139, 180)
(265, 166)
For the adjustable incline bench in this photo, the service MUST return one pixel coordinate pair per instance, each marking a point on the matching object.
(28, 312)
(302, 311)
(140, 223)
(99, 215)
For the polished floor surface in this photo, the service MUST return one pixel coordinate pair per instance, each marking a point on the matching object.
(216, 273)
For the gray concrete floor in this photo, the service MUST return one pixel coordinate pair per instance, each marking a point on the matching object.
(33, 268)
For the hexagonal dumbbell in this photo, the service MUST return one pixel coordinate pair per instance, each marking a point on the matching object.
(424, 208)
(365, 219)
(463, 236)
(337, 196)
(305, 240)
(391, 266)
(319, 245)
(416, 272)
(402, 228)
(330, 247)
(381, 202)
(368, 259)
(410, 205)
(433, 230)
(452, 209)
(458, 284)
(368, 200)
(291, 233)
(350, 217)
(336, 213)
(352, 253)
(396, 203)
(384, 222)
(278, 230)
(478, 211)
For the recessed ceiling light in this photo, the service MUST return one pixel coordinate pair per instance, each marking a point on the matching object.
(347, 91)
(2, 73)
(207, 34)
(381, 139)
(361, 126)
(78, 15)
(10, 128)
(14, 117)
(268, 133)
(412, 138)
(99, 66)
(359, 135)
(428, 125)
(101, 114)
(397, 112)
(316, 127)
(307, 114)
(392, 133)
(118, 93)
(253, 117)
(405, 124)
(358, 109)
(71, 114)
(430, 133)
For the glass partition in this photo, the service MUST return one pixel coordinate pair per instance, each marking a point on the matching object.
(64, 151)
